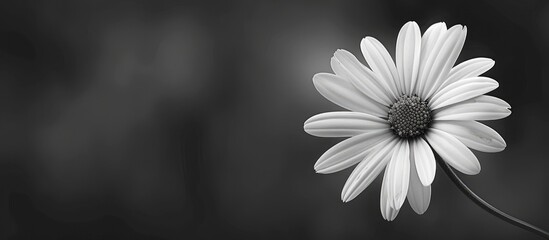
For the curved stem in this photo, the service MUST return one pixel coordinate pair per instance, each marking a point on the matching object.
(486, 206)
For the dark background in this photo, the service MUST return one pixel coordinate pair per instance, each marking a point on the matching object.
(184, 120)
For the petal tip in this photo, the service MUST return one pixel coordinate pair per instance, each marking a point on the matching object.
(306, 123)
(318, 167)
(490, 63)
(410, 23)
(339, 51)
(368, 38)
(474, 171)
(344, 197)
(347, 196)
(321, 171)
(318, 77)
(427, 182)
(421, 211)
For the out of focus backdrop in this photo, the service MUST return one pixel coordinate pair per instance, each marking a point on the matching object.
(184, 119)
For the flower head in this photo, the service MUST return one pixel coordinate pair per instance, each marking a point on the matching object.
(400, 111)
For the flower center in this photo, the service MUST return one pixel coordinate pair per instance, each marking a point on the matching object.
(409, 117)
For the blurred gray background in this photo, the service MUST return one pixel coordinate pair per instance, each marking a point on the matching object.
(184, 119)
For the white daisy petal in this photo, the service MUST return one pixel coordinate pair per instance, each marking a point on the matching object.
(470, 68)
(473, 134)
(398, 171)
(462, 90)
(490, 99)
(446, 58)
(408, 49)
(362, 77)
(338, 69)
(387, 211)
(453, 151)
(480, 108)
(367, 170)
(405, 113)
(430, 65)
(424, 161)
(343, 93)
(350, 151)
(381, 63)
(419, 195)
(431, 38)
(343, 124)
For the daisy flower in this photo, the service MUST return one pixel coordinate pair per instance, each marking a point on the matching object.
(401, 111)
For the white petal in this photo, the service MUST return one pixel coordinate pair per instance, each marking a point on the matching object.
(470, 68)
(381, 63)
(479, 108)
(462, 90)
(408, 49)
(445, 58)
(343, 93)
(473, 134)
(362, 77)
(424, 161)
(367, 170)
(342, 124)
(419, 196)
(453, 152)
(338, 69)
(350, 151)
(387, 211)
(430, 64)
(398, 171)
(431, 38)
(490, 99)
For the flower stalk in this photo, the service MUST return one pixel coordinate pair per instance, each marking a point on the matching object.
(486, 206)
